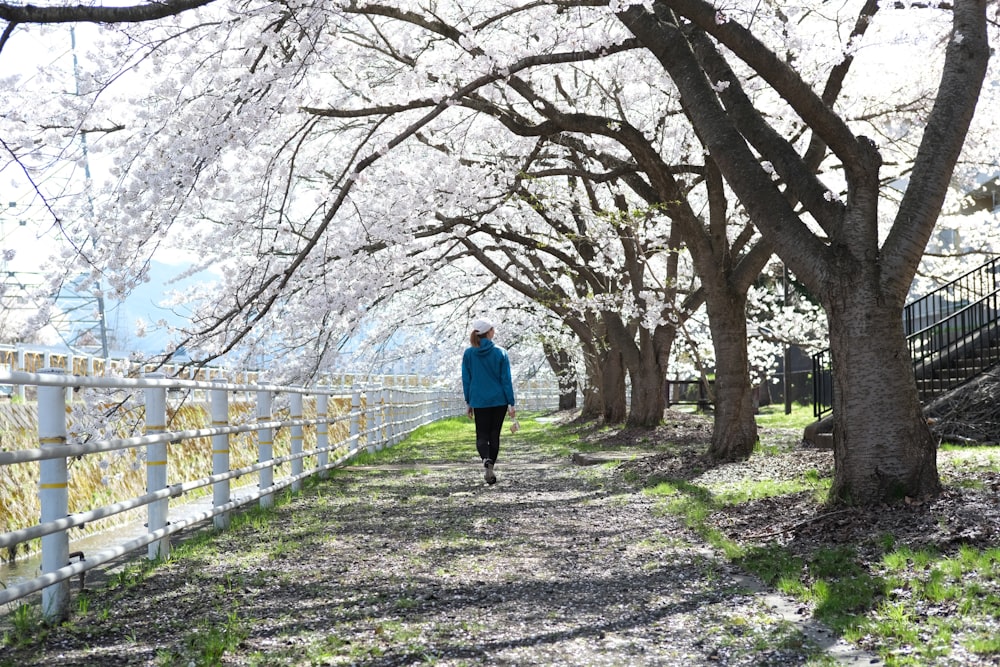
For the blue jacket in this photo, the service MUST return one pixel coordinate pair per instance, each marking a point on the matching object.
(486, 376)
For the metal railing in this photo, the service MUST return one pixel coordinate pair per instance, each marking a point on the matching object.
(689, 392)
(956, 348)
(377, 417)
(822, 376)
(952, 335)
(942, 303)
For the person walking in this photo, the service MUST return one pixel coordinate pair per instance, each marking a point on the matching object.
(489, 392)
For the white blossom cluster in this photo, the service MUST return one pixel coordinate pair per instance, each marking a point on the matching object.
(361, 179)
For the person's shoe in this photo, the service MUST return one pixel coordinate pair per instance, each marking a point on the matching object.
(490, 477)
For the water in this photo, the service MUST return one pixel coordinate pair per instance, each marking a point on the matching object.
(26, 568)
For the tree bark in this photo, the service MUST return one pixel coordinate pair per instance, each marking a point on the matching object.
(594, 352)
(562, 366)
(735, 429)
(876, 403)
(614, 401)
(593, 405)
(567, 399)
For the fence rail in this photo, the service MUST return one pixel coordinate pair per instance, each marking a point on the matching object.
(369, 418)
(32, 359)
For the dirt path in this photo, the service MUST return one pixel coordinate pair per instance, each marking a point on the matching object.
(557, 564)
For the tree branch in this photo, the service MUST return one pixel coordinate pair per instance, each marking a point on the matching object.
(97, 14)
(966, 59)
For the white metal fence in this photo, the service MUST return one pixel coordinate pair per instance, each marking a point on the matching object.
(377, 417)
(34, 358)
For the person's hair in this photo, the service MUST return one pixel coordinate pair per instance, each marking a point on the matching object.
(475, 337)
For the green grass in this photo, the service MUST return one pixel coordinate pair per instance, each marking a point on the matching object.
(966, 581)
(26, 627)
(131, 575)
(207, 644)
(915, 603)
(774, 416)
(836, 586)
(453, 439)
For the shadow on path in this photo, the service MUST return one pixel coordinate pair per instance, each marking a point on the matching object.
(556, 564)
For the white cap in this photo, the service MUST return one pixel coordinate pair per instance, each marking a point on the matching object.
(481, 326)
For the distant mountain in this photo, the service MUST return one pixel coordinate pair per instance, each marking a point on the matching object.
(145, 304)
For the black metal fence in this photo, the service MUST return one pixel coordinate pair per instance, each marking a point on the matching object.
(771, 391)
(949, 299)
(689, 392)
(952, 334)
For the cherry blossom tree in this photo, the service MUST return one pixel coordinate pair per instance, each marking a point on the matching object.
(883, 447)
(315, 153)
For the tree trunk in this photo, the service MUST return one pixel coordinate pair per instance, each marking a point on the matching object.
(613, 388)
(875, 402)
(648, 377)
(645, 362)
(734, 433)
(567, 398)
(648, 401)
(593, 402)
(562, 366)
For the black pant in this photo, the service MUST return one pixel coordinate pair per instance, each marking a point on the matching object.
(489, 422)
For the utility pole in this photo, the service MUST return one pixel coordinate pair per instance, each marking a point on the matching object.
(101, 316)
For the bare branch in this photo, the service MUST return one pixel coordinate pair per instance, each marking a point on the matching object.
(152, 11)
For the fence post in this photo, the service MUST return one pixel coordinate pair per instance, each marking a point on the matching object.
(295, 405)
(388, 412)
(322, 434)
(265, 447)
(369, 418)
(378, 420)
(405, 410)
(401, 404)
(219, 400)
(394, 416)
(156, 466)
(21, 360)
(69, 370)
(409, 412)
(355, 433)
(53, 495)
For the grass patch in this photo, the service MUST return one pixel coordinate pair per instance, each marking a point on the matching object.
(207, 644)
(453, 439)
(915, 605)
(750, 490)
(26, 628)
(773, 416)
(963, 461)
